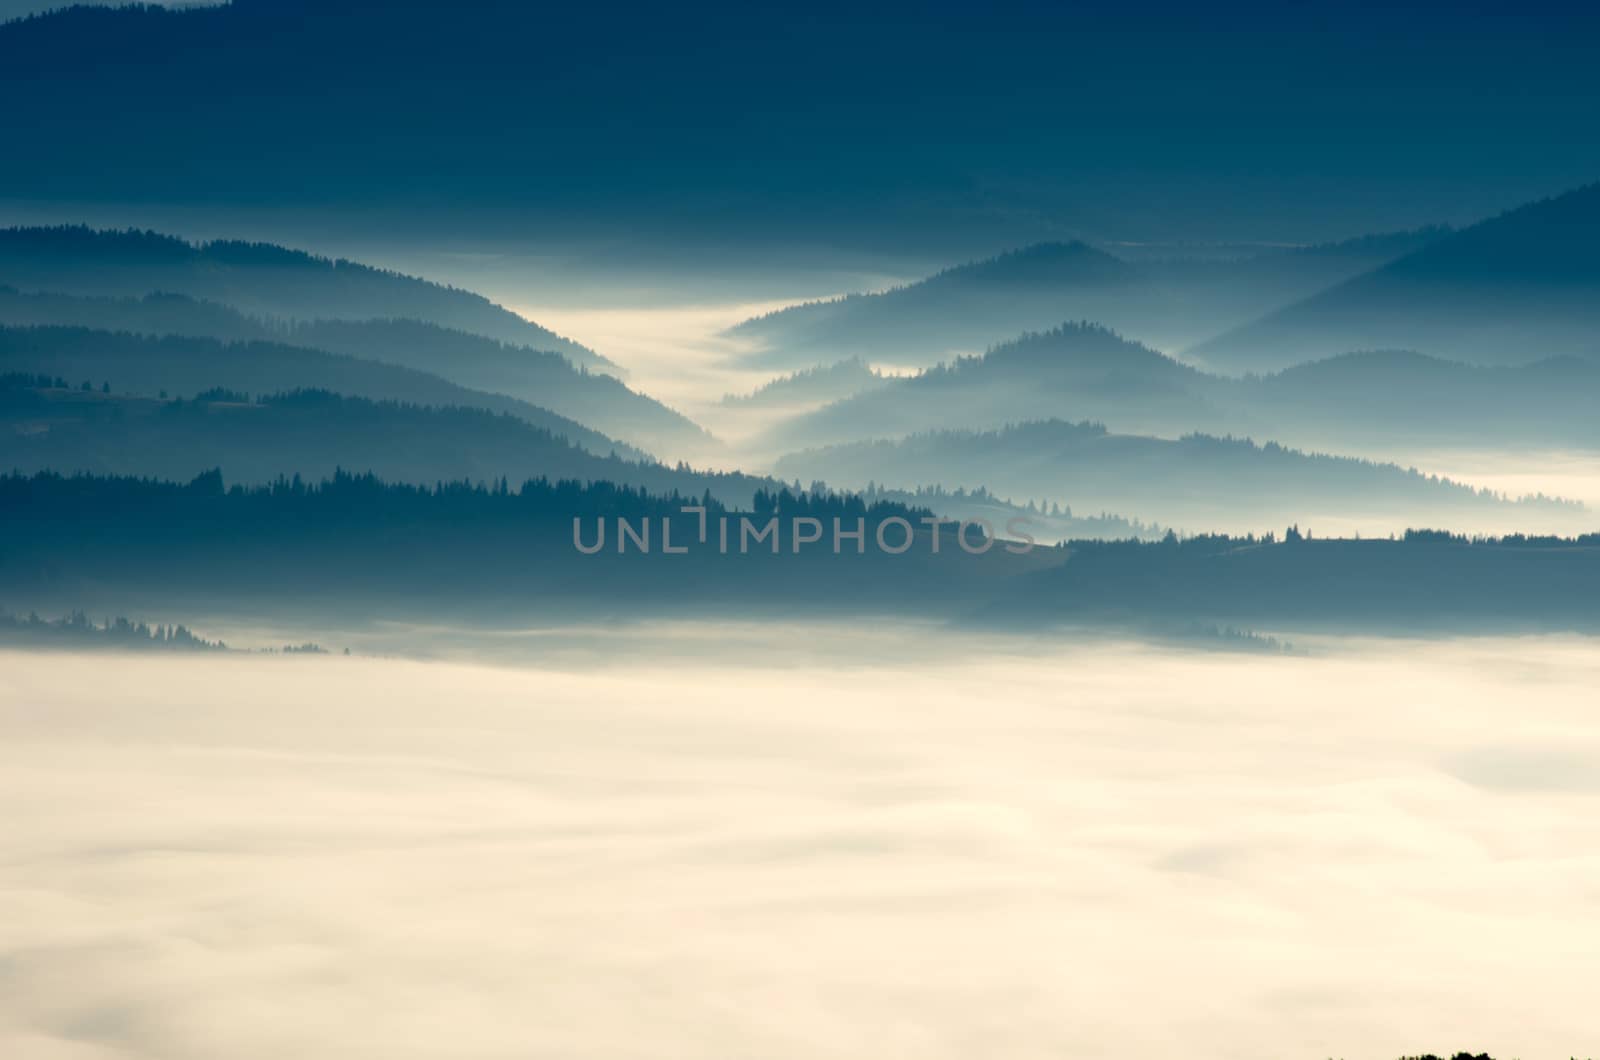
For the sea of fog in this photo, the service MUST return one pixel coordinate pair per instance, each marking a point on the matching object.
(779, 844)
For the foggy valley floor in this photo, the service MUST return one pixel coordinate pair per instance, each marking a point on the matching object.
(787, 841)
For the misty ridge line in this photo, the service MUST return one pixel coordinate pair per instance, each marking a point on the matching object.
(1096, 361)
(1021, 430)
(131, 244)
(1173, 302)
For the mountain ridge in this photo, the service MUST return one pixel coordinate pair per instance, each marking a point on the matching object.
(147, 365)
(978, 303)
(543, 378)
(256, 277)
(1516, 287)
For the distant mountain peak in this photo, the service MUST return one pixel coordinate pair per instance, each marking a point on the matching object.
(1520, 286)
(1549, 240)
(1079, 343)
(1037, 263)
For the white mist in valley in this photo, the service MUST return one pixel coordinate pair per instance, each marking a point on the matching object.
(946, 852)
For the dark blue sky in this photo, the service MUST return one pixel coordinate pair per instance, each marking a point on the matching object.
(872, 123)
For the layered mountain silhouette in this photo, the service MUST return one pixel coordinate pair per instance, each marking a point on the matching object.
(1193, 481)
(1385, 397)
(46, 424)
(261, 279)
(1519, 287)
(182, 366)
(1166, 302)
(1354, 402)
(539, 377)
(1076, 371)
(310, 433)
(949, 311)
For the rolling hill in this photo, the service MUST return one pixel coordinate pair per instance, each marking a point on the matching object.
(542, 378)
(1519, 287)
(1165, 302)
(1077, 371)
(1385, 397)
(181, 366)
(47, 424)
(310, 433)
(1194, 481)
(1360, 402)
(261, 279)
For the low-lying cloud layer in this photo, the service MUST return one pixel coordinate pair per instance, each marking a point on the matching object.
(1098, 852)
